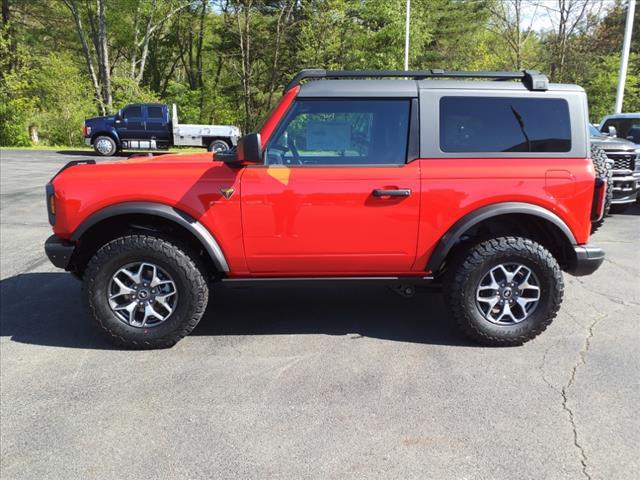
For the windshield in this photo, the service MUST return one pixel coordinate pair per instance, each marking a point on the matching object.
(628, 128)
(593, 131)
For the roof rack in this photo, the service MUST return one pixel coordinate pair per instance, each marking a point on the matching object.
(532, 79)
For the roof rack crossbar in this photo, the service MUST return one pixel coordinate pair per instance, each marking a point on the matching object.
(532, 79)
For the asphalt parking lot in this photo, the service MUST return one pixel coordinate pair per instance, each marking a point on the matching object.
(323, 382)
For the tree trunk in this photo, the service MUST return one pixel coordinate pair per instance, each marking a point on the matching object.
(245, 61)
(103, 54)
(73, 7)
(13, 45)
(283, 19)
(145, 43)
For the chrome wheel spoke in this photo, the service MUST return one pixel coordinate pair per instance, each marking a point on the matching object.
(142, 295)
(149, 311)
(508, 294)
(130, 308)
(134, 277)
(122, 289)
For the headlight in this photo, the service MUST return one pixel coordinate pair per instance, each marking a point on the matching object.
(637, 169)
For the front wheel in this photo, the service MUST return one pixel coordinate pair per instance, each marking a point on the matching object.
(504, 291)
(218, 146)
(105, 146)
(144, 291)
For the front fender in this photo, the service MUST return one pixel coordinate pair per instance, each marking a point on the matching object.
(110, 131)
(179, 217)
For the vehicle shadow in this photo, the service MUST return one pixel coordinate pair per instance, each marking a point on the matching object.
(46, 309)
(128, 153)
(89, 153)
(633, 209)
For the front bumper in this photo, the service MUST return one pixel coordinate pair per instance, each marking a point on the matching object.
(59, 251)
(625, 188)
(588, 259)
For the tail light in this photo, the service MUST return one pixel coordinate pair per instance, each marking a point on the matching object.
(599, 197)
(84, 130)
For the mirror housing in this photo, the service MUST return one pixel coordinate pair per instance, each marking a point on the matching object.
(247, 152)
(250, 149)
(612, 131)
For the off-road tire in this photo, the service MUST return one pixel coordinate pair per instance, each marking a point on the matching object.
(470, 266)
(218, 146)
(102, 152)
(187, 273)
(602, 166)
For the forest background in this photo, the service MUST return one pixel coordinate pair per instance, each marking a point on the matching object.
(226, 62)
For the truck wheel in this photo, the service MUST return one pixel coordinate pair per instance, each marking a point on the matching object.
(218, 146)
(144, 291)
(504, 291)
(105, 146)
(602, 166)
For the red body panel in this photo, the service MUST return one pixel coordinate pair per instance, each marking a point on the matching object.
(453, 187)
(309, 221)
(188, 182)
(325, 220)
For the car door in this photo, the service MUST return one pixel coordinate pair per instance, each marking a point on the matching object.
(336, 195)
(156, 125)
(131, 124)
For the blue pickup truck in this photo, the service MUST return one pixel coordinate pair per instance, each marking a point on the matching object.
(148, 126)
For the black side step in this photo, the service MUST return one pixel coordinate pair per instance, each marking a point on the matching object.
(288, 281)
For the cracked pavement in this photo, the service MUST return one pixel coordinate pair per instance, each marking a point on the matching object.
(324, 382)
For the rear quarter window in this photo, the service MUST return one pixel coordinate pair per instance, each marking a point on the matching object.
(154, 113)
(504, 124)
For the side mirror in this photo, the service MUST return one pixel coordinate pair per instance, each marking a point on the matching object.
(613, 132)
(248, 151)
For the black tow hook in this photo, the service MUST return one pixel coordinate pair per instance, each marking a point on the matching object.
(406, 291)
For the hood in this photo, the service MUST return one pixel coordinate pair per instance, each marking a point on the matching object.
(612, 143)
(98, 120)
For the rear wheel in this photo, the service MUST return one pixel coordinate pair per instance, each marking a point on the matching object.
(105, 146)
(144, 291)
(218, 146)
(504, 291)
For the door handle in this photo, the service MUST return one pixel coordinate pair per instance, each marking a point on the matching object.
(398, 192)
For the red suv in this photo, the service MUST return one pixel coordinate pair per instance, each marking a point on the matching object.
(486, 187)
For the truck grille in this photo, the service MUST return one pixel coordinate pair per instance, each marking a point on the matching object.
(623, 161)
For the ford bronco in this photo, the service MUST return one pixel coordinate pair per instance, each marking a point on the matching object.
(484, 187)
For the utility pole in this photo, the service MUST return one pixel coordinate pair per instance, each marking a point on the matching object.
(406, 36)
(624, 59)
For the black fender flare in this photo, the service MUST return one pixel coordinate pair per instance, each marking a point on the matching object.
(181, 218)
(454, 233)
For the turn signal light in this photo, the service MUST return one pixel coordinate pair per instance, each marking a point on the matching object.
(52, 204)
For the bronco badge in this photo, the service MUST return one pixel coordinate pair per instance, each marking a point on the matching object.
(227, 192)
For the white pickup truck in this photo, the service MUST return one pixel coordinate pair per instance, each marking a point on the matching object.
(147, 126)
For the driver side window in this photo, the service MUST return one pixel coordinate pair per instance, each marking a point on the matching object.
(342, 132)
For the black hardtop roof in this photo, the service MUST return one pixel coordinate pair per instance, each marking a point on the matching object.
(411, 88)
